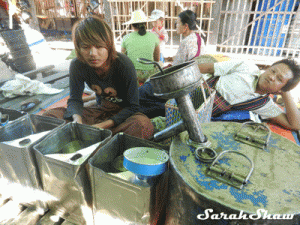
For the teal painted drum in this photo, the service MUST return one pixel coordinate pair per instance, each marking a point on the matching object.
(271, 196)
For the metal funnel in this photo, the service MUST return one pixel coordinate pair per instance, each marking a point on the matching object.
(177, 82)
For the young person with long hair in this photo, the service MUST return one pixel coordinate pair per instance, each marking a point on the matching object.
(113, 78)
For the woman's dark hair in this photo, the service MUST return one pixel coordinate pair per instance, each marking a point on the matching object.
(296, 73)
(141, 27)
(190, 18)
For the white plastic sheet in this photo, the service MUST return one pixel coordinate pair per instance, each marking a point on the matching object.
(23, 85)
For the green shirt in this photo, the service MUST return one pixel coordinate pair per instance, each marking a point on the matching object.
(138, 46)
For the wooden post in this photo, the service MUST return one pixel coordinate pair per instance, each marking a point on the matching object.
(215, 23)
(107, 13)
(10, 14)
(34, 21)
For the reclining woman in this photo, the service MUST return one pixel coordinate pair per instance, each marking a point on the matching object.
(111, 75)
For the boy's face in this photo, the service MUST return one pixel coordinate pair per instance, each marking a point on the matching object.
(274, 78)
(158, 23)
(95, 56)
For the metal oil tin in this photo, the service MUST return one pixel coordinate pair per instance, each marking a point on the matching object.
(118, 196)
(17, 162)
(11, 114)
(68, 182)
(271, 193)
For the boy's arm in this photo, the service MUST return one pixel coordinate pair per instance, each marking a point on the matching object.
(290, 119)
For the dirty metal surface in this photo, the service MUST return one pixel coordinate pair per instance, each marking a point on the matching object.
(273, 185)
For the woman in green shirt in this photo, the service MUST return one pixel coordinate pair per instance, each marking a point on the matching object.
(141, 44)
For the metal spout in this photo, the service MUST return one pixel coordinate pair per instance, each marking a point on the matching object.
(190, 119)
(171, 131)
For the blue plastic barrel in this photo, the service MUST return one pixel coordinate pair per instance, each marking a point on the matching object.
(269, 30)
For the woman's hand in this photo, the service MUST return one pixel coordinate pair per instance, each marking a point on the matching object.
(105, 125)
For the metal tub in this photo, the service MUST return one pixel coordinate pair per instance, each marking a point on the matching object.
(69, 183)
(272, 191)
(17, 162)
(117, 199)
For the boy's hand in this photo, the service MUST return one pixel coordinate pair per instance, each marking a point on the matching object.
(77, 119)
(105, 125)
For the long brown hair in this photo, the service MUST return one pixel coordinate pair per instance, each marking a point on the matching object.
(94, 31)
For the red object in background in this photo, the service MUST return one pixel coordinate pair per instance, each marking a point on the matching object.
(282, 131)
(4, 5)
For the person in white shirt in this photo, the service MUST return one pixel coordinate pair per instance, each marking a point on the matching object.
(241, 81)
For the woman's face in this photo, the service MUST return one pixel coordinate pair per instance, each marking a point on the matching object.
(94, 56)
(180, 28)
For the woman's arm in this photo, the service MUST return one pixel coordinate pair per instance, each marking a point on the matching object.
(181, 54)
(202, 48)
(156, 54)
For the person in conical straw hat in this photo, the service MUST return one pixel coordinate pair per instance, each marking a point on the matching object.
(141, 44)
(138, 16)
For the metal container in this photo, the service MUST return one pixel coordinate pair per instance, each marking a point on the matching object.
(121, 196)
(19, 49)
(17, 162)
(69, 182)
(196, 197)
(12, 114)
(176, 81)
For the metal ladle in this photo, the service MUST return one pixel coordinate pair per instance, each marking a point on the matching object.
(147, 61)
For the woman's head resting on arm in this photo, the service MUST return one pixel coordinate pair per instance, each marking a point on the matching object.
(94, 42)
